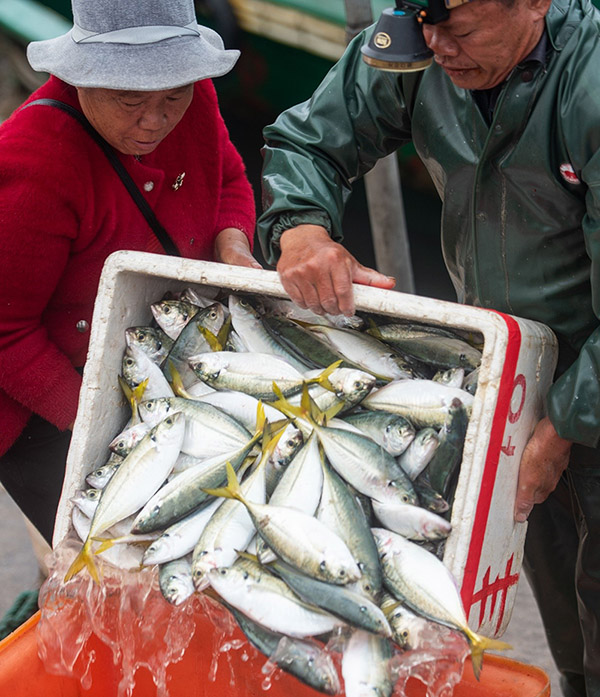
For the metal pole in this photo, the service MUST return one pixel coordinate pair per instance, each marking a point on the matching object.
(384, 189)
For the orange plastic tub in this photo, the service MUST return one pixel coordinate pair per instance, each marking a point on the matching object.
(22, 674)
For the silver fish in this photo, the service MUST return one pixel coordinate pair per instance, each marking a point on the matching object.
(140, 475)
(172, 315)
(153, 342)
(248, 323)
(209, 431)
(419, 453)
(422, 402)
(421, 581)
(268, 601)
(175, 580)
(299, 539)
(412, 522)
(366, 665)
(391, 431)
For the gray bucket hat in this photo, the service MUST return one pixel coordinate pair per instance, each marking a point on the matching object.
(133, 45)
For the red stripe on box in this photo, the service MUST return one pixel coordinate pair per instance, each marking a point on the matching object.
(490, 469)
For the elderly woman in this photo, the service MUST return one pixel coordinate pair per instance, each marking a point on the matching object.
(122, 148)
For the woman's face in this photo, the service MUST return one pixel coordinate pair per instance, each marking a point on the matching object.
(134, 122)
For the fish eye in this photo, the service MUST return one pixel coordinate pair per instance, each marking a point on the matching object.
(129, 362)
(213, 314)
(223, 572)
(404, 634)
(166, 309)
(362, 608)
(405, 498)
(342, 573)
(169, 420)
(322, 566)
(246, 575)
(203, 552)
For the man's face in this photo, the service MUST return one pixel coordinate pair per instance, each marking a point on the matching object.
(482, 41)
(134, 122)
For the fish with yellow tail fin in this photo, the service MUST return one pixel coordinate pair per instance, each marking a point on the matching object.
(138, 478)
(253, 373)
(185, 493)
(424, 584)
(296, 537)
(230, 528)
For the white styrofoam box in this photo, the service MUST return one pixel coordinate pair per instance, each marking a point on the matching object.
(485, 549)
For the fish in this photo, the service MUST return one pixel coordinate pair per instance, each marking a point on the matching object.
(297, 538)
(253, 373)
(407, 627)
(299, 486)
(421, 581)
(413, 522)
(353, 607)
(136, 368)
(340, 510)
(365, 465)
(248, 323)
(175, 580)
(180, 538)
(124, 443)
(365, 351)
(423, 402)
(305, 660)
(440, 348)
(139, 476)
(268, 601)
(443, 467)
(420, 452)
(152, 341)
(393, 432)
(209, 431)
(172, 315)
(191, 340)
(99, 477)
(231, 528)
(185, 493)
(366, 665)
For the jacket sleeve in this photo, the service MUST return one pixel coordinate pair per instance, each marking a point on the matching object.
(315, 150)
(38, 227)
(574, 400)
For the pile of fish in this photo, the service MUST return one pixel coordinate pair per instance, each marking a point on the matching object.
(298, 469)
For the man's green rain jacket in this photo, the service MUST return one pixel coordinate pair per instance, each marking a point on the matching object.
(521, 197)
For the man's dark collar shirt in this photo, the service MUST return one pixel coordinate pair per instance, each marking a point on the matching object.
(486, 99)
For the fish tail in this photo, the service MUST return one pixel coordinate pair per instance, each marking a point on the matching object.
(176, 382)
(232, 490)
(284, 406)
(211, 339)
(323, 377)
(133, 396)
(224, 332)
(479, 644)
(105, 544)
(85, 558)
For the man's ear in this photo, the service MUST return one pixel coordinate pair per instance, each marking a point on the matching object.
(539, 8)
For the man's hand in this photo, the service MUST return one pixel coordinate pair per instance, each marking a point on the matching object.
(318, 273)
(545, 458)
(232, 247)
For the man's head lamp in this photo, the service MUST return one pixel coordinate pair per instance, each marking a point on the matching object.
(397, 44)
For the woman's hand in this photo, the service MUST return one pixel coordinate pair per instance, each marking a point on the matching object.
(318, 273)
(544, 459)
(232, 247)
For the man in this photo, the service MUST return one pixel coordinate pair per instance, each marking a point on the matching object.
(507, 121)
